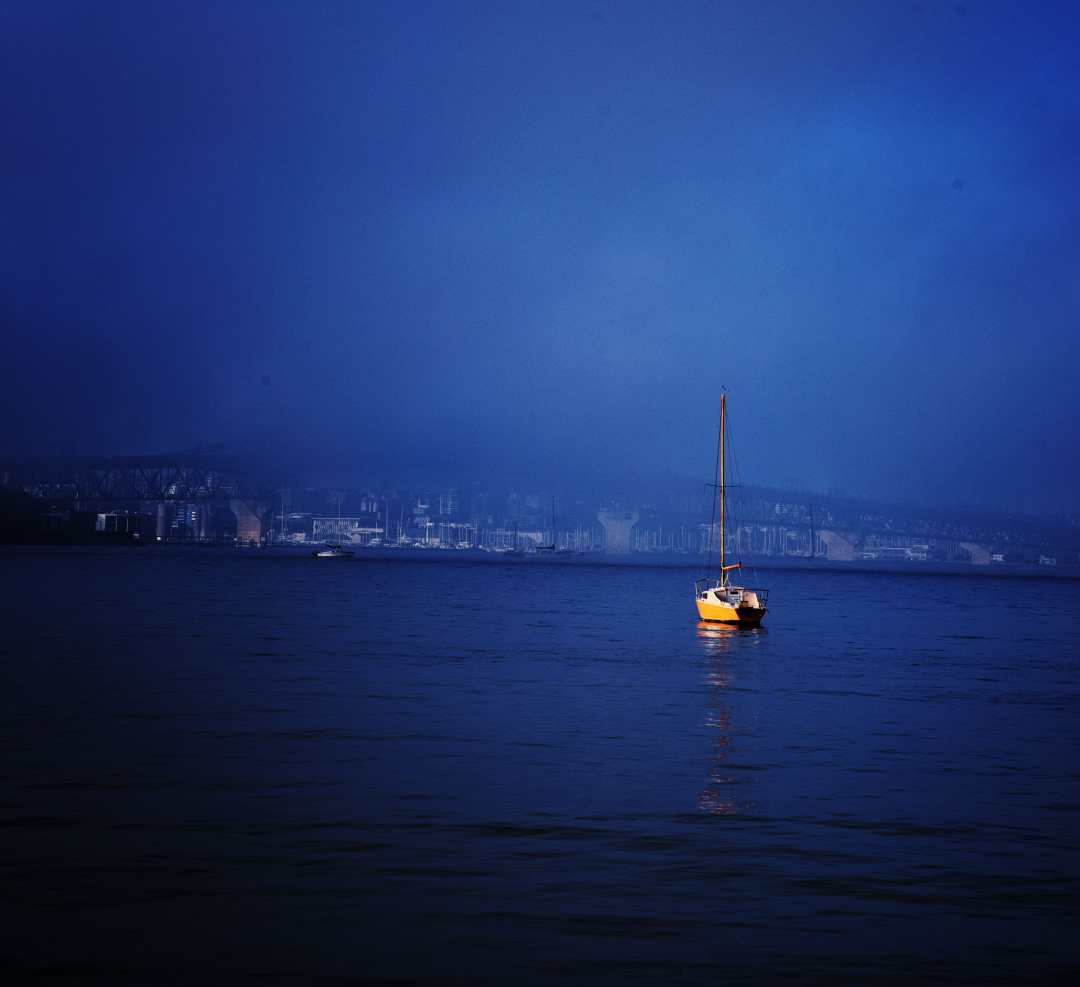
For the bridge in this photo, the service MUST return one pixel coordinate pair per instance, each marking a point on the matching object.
(134, 483)
(192, 476)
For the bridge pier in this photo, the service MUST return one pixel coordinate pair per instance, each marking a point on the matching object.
(249, 526)
(617, 526)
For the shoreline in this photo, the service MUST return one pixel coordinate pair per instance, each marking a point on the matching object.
(650, 560)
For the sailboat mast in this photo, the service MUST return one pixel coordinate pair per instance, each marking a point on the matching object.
(723, 425)
(716, 495)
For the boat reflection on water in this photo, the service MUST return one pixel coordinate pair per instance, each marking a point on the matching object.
(719, 796)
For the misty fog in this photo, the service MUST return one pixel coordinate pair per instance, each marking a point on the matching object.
(538, 239)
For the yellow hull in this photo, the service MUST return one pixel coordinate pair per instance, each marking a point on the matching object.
(722, 613)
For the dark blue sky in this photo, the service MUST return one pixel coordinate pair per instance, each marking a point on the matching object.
(541, 236)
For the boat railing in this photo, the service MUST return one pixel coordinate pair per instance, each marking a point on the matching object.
(705, 583)
(701, 586)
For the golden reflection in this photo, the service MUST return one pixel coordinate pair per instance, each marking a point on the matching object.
(718, 637)
(720, 642)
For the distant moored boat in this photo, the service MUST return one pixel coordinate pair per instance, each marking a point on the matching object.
(333, 552)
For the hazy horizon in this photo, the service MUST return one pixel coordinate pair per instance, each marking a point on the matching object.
(538, 239)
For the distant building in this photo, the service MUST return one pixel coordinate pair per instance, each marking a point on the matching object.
(190, 522)
(54, 520)
(346, 530)
(448, 503)
(124, 523)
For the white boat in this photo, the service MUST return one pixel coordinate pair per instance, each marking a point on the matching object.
(333, 552)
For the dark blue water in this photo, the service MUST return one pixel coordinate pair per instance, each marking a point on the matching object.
(229, 767)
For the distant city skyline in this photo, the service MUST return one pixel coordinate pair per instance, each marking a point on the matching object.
(168, 500)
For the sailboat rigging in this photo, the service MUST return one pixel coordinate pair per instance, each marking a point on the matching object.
(550, 547)
(716, 598)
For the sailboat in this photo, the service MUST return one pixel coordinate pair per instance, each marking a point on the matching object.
(553, 547)
(540, 549)
(717, 599)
